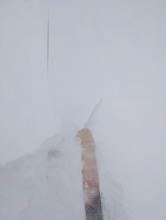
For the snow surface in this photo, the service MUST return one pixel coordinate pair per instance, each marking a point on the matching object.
(47, 185)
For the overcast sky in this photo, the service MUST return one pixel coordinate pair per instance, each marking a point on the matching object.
(113, 50)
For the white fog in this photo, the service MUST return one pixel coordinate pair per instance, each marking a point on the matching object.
(112, 51)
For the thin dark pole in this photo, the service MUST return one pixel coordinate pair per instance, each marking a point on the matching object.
(48, 41)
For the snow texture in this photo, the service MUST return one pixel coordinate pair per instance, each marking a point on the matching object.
(47, 185)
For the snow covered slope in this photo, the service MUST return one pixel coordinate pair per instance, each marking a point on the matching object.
(44, 186)
(47, 185)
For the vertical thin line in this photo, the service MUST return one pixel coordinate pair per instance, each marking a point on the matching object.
(48, 42)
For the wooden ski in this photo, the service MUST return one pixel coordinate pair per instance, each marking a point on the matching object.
(91, 188)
